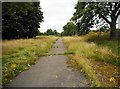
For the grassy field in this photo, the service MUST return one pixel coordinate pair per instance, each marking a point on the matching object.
(97, 57)
(19, 55)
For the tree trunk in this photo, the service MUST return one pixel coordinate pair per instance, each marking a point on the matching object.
(78, 29)
(113, 33)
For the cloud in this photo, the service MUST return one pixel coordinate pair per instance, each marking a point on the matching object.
(56, 13)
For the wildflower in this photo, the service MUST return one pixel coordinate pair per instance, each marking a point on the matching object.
(96, 50)
(13, 65)
(28, 65)
(112, 79)
(26, 68)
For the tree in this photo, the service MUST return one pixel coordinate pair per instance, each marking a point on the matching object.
(87, 12)
(21, 19)
(109, 11)
(69, 29)
(50, 32)
(56, 33)
(83, 17)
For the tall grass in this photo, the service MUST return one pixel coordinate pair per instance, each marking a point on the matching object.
(19, 55)
(93, 54)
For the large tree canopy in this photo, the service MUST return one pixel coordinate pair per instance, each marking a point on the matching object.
(90, 13)
(21, 19)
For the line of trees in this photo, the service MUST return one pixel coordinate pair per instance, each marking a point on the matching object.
(50, 32)
(21, 19)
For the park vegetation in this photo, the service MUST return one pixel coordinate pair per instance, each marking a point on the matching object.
(50, 32)
(18, 55)
(97, 57)
(103, 15)
(94, 52)
(69, 29)
(21, 19)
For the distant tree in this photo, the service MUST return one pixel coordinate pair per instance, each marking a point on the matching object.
(21, 19)
(50, 32)
(41, 33)
(45, 33)
(56, 33)
(62, 33)
(69, 29)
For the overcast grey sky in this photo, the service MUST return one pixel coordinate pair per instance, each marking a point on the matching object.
(56, 13)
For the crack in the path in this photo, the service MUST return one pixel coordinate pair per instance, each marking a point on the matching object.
(49, 54)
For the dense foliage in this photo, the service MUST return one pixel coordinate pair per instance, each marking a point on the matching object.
(21, 19)
(50, 32)
(102, 14)
(69, 29)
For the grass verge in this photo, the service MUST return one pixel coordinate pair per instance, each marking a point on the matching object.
(96, 57)
(19, 55)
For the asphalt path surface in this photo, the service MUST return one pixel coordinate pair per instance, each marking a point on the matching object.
(51, 71)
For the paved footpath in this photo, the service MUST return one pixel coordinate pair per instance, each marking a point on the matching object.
(51, 71)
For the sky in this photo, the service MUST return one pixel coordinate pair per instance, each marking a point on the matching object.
(56, 13)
